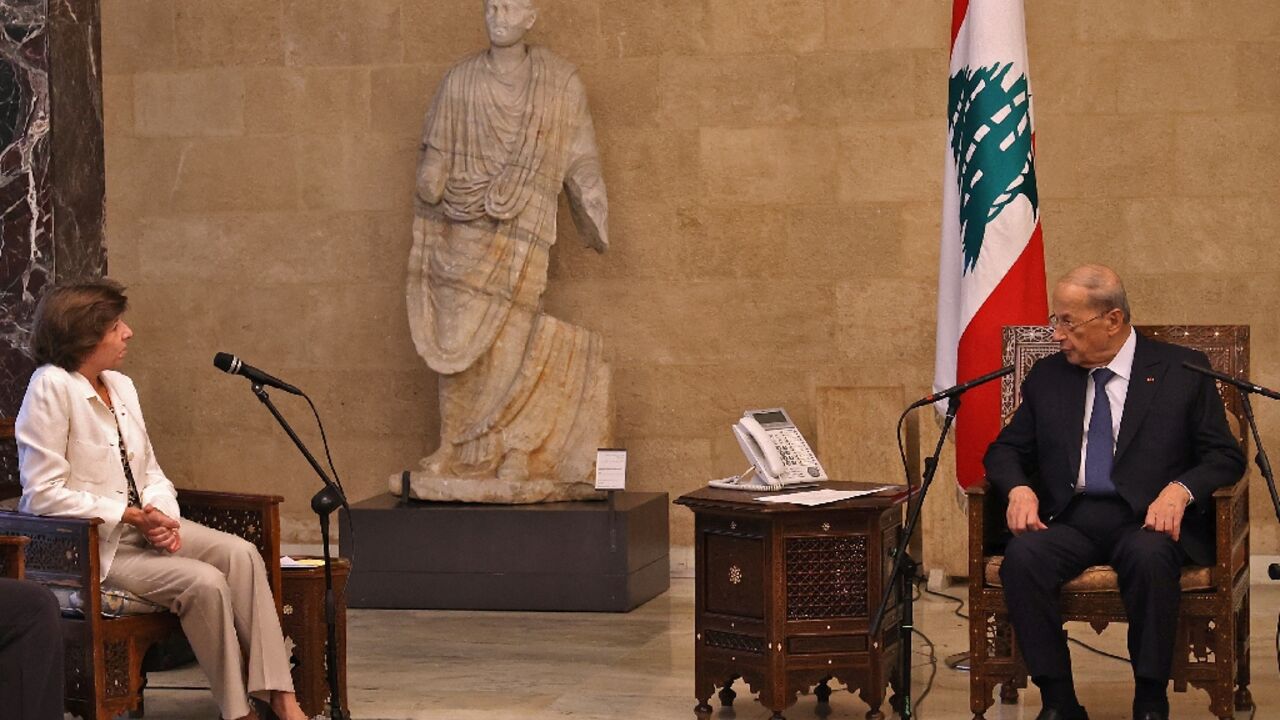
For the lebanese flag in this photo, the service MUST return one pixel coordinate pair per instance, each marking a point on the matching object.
(991, 267)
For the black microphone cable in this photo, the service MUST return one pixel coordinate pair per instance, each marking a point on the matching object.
(324, 440)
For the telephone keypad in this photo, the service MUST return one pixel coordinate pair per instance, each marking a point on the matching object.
(797, 457)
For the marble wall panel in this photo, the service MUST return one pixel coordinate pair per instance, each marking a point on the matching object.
(51, 171)
(26, 221)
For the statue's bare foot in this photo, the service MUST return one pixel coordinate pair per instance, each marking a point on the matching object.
(515, 467)
(438, 462)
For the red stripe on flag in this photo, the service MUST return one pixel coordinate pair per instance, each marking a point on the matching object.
(959, 9)
(1019, 299)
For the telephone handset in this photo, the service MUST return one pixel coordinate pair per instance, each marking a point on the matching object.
(779, 455)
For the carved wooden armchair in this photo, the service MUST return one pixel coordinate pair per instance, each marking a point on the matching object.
(1212, 646)
(104, 674)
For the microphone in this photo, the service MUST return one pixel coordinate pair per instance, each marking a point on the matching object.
(962, 387)
(228, 363)
(1244, 385)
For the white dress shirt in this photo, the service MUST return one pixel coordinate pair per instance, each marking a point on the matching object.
(69, 453)
(1117, 391)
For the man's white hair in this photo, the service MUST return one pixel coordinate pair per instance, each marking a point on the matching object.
(1106, 291)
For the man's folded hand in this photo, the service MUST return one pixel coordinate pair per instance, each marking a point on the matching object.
(1023, 513)
(1165, 513)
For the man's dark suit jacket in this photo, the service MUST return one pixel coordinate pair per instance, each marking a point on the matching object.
(1174, 428)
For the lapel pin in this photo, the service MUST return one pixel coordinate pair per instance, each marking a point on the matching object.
(1151, 379)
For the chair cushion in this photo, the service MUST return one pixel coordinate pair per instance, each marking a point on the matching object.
(115, 603)
(1102, 578)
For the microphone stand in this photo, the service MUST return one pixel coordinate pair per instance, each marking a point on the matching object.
(329, 498)
(1264, 466)
(904, 569)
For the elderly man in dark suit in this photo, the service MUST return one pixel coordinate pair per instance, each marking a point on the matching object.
(1112, 457)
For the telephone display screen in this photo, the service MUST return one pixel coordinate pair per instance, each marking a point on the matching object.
(768, 418)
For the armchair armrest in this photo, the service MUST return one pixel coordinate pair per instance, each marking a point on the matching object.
(60, 552)
(1233, 490)
(988, 530)
(255, 518)
(12, 556)
(1231, 515)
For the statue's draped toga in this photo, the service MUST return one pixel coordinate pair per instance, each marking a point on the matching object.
(524, 397)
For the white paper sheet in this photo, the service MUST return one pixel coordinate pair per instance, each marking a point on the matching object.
(818, 497)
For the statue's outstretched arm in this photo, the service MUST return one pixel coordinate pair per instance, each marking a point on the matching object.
(584, 181)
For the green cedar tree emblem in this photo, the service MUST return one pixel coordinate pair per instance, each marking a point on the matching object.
(990, 128)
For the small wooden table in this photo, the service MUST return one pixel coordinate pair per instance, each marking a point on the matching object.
(785, 594)
(304, 623)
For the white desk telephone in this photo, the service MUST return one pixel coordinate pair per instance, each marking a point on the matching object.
(779, 455)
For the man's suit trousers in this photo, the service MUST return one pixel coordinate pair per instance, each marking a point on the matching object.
(30, 652)
(217, 586)
(1093, 531)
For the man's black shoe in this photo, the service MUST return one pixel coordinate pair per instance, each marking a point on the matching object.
(1075, 713)
(1152, 715)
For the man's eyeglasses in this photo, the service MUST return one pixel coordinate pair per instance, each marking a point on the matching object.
(1057, 322)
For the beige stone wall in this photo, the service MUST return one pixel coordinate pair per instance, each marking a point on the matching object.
(774, 168)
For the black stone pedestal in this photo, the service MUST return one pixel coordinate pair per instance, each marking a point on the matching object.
(550, 556)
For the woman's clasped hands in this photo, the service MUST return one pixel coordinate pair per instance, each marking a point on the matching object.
(160, 530)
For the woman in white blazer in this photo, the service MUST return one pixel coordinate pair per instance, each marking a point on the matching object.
(83, 451)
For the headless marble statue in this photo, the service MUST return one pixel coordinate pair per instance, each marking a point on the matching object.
(524, 397)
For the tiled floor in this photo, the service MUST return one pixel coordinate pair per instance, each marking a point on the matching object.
(537, 666)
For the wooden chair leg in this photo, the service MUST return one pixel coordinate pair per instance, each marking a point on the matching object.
(140, 711)
(1243, 698)
(1008, 693)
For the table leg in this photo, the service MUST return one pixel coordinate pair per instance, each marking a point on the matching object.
(823, 691)
(727, 694)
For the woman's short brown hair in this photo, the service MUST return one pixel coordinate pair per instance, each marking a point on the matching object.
(72, 319)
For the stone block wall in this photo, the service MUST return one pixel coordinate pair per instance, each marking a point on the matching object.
(774, 171)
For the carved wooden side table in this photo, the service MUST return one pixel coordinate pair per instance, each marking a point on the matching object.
(303, 623)
(785, 593)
